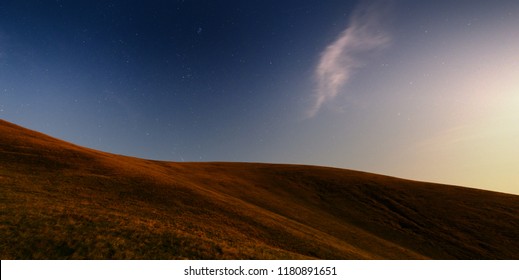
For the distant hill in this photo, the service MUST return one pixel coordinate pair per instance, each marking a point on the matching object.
(62, 201)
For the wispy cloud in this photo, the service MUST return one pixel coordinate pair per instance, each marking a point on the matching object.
(365, 34)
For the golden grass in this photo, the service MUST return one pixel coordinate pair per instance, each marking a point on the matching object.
(62, 201)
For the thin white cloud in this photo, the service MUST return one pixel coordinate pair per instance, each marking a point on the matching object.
(364, 35)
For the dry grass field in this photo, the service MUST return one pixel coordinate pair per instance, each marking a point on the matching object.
(62, 201)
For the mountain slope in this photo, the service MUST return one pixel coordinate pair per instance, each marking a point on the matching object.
(60, 201)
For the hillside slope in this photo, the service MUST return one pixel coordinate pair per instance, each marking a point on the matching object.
(62, 201)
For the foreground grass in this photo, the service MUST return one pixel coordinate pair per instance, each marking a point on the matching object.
(61, 201)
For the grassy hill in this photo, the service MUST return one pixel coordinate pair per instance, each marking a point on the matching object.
(62, 201)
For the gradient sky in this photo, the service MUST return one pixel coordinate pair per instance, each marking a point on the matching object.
(425, 90)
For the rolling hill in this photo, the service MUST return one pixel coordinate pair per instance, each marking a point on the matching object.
(62, 201)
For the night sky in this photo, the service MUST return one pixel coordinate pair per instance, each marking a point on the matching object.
(425, 90)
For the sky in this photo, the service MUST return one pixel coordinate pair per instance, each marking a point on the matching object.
(423, 90)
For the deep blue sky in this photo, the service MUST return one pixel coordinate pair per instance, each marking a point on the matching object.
(198, 80)
(418, 90)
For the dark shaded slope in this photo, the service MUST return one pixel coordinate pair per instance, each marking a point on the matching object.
(58, 200)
